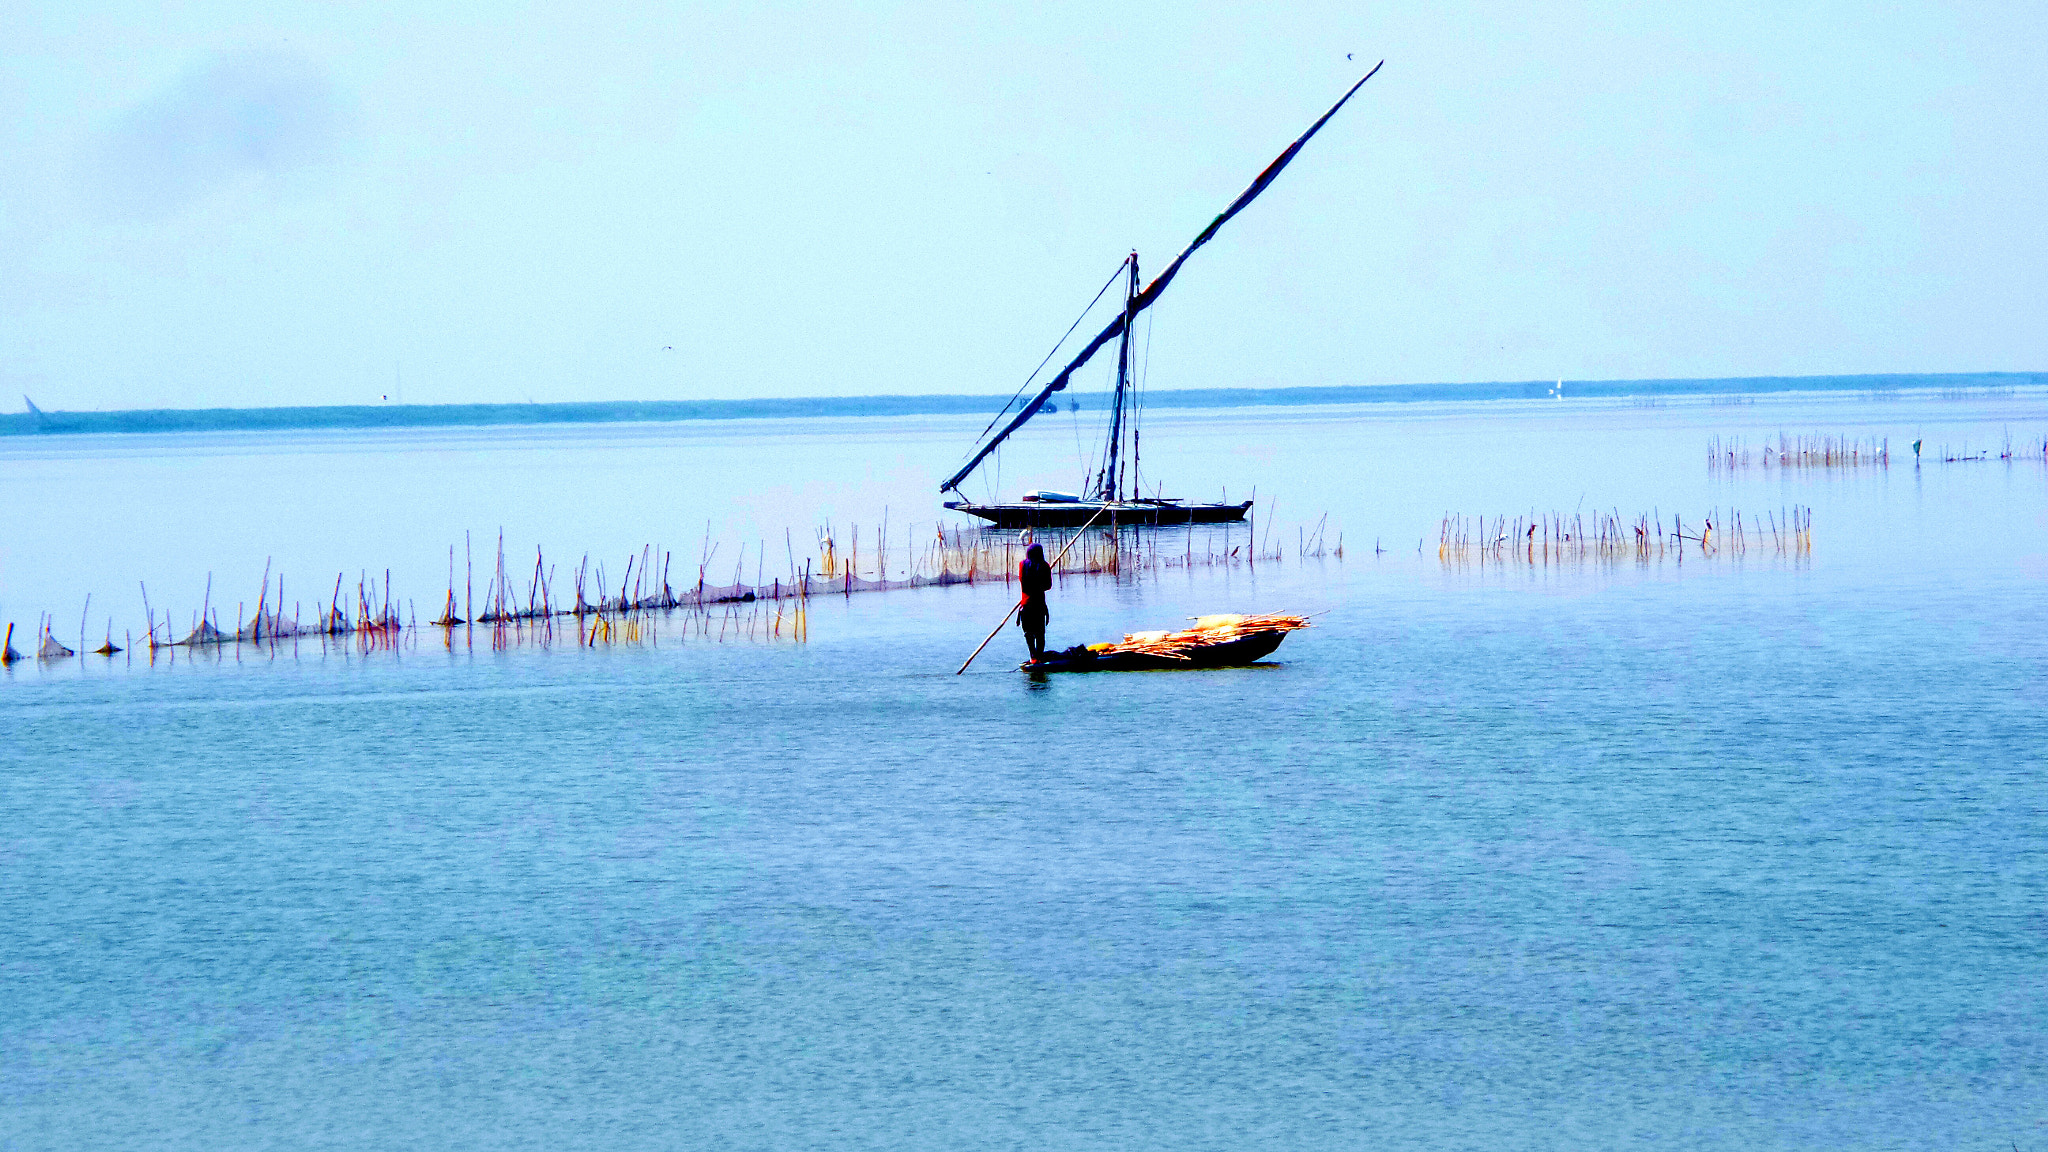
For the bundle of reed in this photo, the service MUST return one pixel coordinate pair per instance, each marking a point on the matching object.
(1208, 630)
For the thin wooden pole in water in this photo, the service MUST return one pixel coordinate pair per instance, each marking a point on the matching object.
(1000, 624)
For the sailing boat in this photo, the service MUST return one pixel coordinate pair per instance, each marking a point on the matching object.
(1113, 495)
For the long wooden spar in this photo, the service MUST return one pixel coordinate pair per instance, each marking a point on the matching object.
(1150, 295)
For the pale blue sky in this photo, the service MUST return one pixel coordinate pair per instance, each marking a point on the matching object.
(268, 203)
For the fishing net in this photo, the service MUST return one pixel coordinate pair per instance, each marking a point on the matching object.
(844, 585)
(269, 626)
(206, 633)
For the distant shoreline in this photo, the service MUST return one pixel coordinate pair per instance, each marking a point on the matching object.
(606, 412)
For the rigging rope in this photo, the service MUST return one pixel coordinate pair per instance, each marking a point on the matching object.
(1142, 378)
(1093, 477)
(1055, 351)
(1084, 455)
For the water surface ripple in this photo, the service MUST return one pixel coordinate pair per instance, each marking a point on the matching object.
(1721, 855)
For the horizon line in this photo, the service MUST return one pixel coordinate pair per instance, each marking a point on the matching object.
(44, 421)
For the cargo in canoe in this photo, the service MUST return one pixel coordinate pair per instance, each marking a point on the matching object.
(1214, 642)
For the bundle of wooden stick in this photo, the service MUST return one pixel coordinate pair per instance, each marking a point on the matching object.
(1208, 630)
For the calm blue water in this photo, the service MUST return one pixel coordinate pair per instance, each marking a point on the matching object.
(1721, 854)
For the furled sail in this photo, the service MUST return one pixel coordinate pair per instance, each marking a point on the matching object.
(1152, 291)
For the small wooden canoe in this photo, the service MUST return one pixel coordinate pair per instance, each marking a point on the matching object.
(1214, 642)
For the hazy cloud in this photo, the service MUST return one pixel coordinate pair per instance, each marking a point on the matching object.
(260, 114)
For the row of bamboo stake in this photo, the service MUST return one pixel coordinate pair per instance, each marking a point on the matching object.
(520, 604)
(1556, 538)
(1831, 451)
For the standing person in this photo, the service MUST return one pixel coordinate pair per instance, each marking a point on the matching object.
(1035, 575)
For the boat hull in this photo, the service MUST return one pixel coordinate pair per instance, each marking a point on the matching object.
(1032, 514)
(1229, 653)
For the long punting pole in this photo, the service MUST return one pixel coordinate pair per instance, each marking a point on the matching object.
(1152, 291)
(1055, 566)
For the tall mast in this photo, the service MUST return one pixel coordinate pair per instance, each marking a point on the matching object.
(1111, 485)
